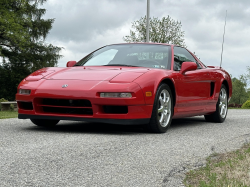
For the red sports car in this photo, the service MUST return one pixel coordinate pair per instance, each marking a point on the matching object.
(133, 83)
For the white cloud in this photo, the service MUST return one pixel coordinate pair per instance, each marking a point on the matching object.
(82, 26)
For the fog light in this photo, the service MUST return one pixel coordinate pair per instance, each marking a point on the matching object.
(116, 95)
(24, 92)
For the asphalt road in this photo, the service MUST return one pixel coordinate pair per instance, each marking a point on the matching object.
(85, 154)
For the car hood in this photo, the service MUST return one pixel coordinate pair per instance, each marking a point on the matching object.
(126, 74)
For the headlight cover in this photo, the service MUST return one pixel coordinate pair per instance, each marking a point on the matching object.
(115, 95)
(24, 92)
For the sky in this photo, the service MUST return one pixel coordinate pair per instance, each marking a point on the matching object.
(81, 26)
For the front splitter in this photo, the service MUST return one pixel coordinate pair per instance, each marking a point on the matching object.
(93, 120)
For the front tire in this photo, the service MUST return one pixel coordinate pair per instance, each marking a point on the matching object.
(220, 114)
(162, 113)
(44, 122)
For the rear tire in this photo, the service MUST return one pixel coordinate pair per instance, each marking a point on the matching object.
(44, 122)
(162, 113)
(220, 114)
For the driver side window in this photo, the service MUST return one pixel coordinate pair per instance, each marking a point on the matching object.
(182, 55)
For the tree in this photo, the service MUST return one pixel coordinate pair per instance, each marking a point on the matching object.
(165, 30)
(240, 94)
(248, 81)
(22, 42)
(248, 75)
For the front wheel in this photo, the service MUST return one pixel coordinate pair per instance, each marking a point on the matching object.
(44, 122)
(162, 113)
(220, 114)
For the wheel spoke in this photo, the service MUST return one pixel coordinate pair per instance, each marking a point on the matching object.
(167, 102)
(161, 101)
(164, 116)
(221, 97)
(161, 119)
(160, 110)
(221, 111)
(220, 105)
(164, 97)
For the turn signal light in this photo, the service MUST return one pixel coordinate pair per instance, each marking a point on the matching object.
(148, 94)
(24, 92)
(116, 95)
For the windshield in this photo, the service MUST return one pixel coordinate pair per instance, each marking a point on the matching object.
(135, 55)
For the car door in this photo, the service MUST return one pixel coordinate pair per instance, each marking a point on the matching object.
(192, 87)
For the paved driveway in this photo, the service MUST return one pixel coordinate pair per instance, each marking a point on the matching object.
(84, 154)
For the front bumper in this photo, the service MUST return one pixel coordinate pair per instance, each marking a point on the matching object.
(137, 111)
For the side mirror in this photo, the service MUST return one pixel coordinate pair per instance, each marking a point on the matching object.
(71, 63)
(188, 66)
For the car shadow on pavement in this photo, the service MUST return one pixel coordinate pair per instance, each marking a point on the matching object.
(90, 128)
(191, 121)
(103, 128)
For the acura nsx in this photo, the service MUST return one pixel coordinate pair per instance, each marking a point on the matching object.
(133, 83)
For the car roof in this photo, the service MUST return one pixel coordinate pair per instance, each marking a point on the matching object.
(142, 43)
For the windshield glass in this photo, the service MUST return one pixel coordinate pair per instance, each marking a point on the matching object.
(138, 55)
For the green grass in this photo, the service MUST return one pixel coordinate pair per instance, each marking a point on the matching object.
(8, 114)
(223, 170)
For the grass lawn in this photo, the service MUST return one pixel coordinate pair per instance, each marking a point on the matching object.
(8, 114)
(227, 169)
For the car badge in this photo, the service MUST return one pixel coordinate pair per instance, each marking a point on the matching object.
(64, 86)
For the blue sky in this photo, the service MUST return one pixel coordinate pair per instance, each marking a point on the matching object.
(82, 26)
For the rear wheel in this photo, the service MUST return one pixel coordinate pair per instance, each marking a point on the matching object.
(44, 122)
(220, 114)
(161, 117)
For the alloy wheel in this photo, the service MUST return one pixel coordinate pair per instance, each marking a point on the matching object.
(223, 103)
(164, 108)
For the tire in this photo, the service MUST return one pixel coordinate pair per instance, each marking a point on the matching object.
(162, 113)
(44, 122)
(220, 114)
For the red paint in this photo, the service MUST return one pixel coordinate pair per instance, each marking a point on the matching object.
(37, 75)
(191, 88)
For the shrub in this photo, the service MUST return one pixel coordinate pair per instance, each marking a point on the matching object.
(246, 105)
(2, 100)
(12, 108)
(233, 105)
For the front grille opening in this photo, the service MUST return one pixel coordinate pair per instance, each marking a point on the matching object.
(67, 102)
(115, 109)
(63, 110)
(25, 105)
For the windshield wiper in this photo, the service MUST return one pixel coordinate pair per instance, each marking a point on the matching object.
(121, 65)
